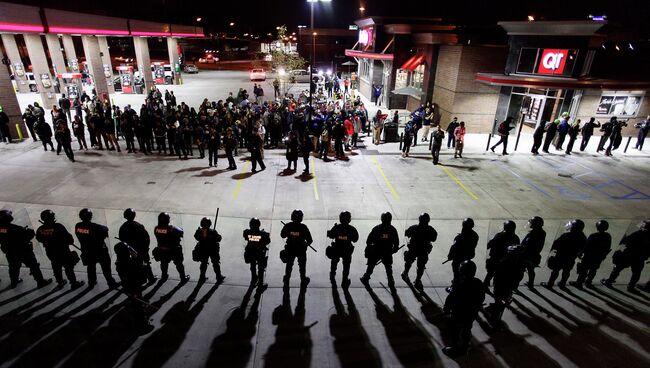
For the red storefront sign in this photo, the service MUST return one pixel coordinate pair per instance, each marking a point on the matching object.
(552, 61)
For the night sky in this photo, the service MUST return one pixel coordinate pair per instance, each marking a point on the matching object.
(262, 16)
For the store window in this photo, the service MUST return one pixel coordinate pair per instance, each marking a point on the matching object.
(539, 105)
(401, 78)
(417, 77)
(619, 104)
(548, 62)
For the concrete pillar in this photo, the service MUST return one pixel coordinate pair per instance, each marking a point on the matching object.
(143, 60)
(56, 55)
(71, 54)
(44, 81)
(17, 66)
(172, 49)
(95, 66)
(106, 62)
(9, 103)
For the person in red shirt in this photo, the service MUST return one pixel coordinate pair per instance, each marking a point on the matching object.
(349, 131)
(459, 133)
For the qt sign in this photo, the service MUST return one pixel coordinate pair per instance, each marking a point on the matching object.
(552, 61)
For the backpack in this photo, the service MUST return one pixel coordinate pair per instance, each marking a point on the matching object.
(502, 129)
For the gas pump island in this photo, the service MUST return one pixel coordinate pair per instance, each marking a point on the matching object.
(126, 78)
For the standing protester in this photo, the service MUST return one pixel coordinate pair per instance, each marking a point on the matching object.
(616, 137)
(324, 143)
(292, 151)
(65, 105)
(230, 145)
(564, 252)
(338, 132)
(459, 137)
(551, 131)
(574, 130)
(207, 249)
(451, 128)
(5, 134)
(128, 131)
(409, 134)
(64, 140)
(298, 239)
(256, 151)
(78, 129)
(131, 269)
(438, 137)
(30, 121)
(136, 236)
(421, 236)
(644, 128)
(44, 132)
(257, 242)
(427, 123)
(598, 246)
(606, 129)
(382, 243)
(16, 244)
(562, 130)
(378, 126)
(56, 239)
(587, 132)
(504, 131)
(93, 248)
(497, 248)
(463, 248)
(538, 136)
(343, 236)
(635, 252)
(169, 247)
(305, 149)
(376, 92)
(213, 142)
(462, 306)
(533, 243)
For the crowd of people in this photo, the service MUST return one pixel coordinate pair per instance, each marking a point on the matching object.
(508, 257)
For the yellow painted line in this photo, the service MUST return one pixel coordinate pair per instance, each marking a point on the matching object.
(243, 170)
(471, 194)
(313, 173)
(392, 190)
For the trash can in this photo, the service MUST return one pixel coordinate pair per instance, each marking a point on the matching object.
(390, 133)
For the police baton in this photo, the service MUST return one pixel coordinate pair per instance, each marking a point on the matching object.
(216, 217)
(309, 245)
(397, 250)
(447, 261)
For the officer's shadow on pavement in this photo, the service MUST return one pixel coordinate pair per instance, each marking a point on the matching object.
(293, 344)
(287, 172)
(190, 169)
(590, 336)
(407, 338)
(244, 175)
(161, 345)
(210, 173)
(351, 343)
(234, 347)
(478, 356)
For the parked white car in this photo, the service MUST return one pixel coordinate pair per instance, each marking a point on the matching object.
(258, 74)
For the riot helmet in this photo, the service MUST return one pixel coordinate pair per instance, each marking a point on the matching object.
(6, 216)
(424, 219)
(575, 226)
(48, 217)
(296, 216)
(254, 223)
(345, 217)
(129, 214)
(163, 219)
(386, 218)
(536, 222)
(509, 226)
(468, 223)
(86, 214)
(467, 269)
(206, 223)
(602, 225)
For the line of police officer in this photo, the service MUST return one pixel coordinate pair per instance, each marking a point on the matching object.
(508, 257)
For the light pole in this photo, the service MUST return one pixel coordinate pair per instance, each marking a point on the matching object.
(313, 51)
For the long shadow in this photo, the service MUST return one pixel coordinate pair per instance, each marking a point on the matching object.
(16, 297)
(351, 343)
(637, 297)
(304, 177)
(51, 350)
(408, 339)
(234, 347)
(611, 300)
(292, 345)
(245, 175)
(210, 173)
(17, 316)
(477, 356)
(190, 169)
(161, 345)
(286, 172)
(164, 298)
(594, 348)
(461, 167)
(40, 326)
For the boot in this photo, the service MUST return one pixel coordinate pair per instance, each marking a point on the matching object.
(44, 282)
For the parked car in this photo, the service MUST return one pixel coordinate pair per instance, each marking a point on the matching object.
(208, 59)
(258, 74)
(300, 75)
(190, 69)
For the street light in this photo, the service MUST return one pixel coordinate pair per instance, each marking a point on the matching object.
(311, 63)
(232, 24)
(198, 19)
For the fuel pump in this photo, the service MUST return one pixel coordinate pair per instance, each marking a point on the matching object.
(71, 83)
(126, 78)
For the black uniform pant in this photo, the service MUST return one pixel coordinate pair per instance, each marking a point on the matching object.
(58, 266)
(302, 265)
(178, 262)
(104, 261)
(345, 260)
(29, 260)
(216, 264)
(537, 142)
(460, 328)
(566, 272)
(636, 267)
(421, 258)
(388, 265)
(256, 158)
(585, 142)
(258, 265)
(587, 272)
(530, 270)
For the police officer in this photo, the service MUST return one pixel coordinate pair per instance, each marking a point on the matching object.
(382, 243)
(56, 239)
(532, 244)
(207, 249)
(566, 247)
(132, 270)
(599, 244)
(463, 248)
(633, 255)
(343, 235)
(462, 306)
(508, 272)
(136, 236)
(93, 249)
(16, 243)
(497, 247)
(257, 242)
(421, 236)
(298, 239)
(169, 247)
